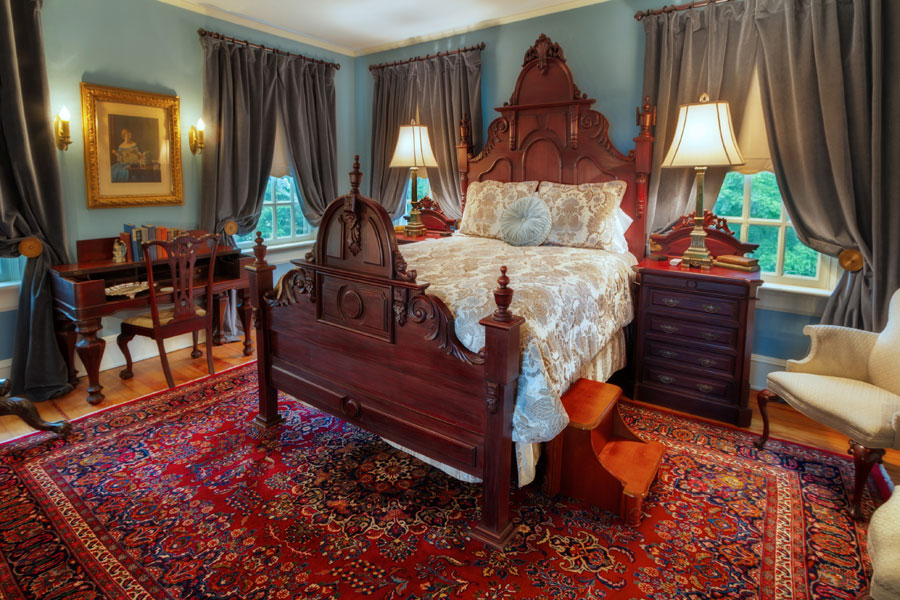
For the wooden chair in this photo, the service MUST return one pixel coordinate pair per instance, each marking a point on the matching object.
(184, 316)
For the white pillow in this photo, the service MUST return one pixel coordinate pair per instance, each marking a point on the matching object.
(525, 222)
(485, 203)
(585, 215)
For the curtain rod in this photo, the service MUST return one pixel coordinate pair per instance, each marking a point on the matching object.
(445, 53)
(203, 32)
(675, 8)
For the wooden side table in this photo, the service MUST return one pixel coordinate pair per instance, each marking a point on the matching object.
(693, 339)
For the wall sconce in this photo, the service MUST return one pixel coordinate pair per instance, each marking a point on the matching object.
(61, 129)
(195, 137)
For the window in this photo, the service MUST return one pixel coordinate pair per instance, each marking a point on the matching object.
(423, 188)
(281, 220)
(12, 269)
(753, 207)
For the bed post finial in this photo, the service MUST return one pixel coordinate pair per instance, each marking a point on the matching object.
(503, 297)
(355, 177)
(259, 251)
(643, 151)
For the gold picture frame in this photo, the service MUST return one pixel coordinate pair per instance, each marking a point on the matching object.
(132, 147)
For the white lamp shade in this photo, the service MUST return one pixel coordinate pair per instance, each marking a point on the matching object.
(704, 137)
(413, 148)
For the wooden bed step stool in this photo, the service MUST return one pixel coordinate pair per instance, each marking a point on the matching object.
(597, 458)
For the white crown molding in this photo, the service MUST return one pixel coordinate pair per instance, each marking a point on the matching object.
(224, 15)
(531, 14)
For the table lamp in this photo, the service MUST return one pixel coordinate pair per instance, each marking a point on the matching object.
(414, 150)
(704, 138)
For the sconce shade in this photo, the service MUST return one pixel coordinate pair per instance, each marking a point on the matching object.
(64, 114)
(413, 147)
(704, 137)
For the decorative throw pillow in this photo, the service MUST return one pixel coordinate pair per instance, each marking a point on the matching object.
(525, 222)
(486, 201)
(584, 215)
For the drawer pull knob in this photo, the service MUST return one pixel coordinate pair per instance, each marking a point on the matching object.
(667, 354)
(709, 335)
(670, 301)
(706, 362)
(668, 328)
(704, 387)
(350, 407)
(711, 308)
(666, 379)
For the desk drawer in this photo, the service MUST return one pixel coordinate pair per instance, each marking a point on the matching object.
(721, 364)
(694, 303)
(676, 329)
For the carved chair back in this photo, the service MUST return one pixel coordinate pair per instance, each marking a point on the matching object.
(181, 257)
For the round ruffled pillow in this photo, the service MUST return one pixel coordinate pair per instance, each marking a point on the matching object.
(525, 222)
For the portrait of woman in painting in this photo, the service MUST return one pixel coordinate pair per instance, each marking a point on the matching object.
(134, 144)
(126, 155)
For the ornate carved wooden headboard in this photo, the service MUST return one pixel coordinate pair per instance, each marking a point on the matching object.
(548, 132)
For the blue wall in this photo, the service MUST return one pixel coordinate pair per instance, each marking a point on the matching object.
(602, 44)
(150, 46)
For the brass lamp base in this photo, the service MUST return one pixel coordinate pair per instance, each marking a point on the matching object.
(414, 227)
(697, 255)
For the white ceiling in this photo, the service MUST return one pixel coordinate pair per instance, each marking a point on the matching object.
(357, 27)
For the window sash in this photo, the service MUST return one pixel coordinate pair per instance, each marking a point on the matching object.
(293, 202)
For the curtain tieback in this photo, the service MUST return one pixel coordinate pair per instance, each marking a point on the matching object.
(31, 247)
(850, 259)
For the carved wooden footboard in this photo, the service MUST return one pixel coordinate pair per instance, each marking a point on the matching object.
(352, 332)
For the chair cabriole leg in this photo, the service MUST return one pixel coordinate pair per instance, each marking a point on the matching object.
(122, 341)
(863, 461)
(195, 353)
(763, 398)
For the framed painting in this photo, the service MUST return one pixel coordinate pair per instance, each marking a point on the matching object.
(132, 147)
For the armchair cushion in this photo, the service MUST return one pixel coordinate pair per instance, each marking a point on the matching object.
(884, 549)
(857, 409)
(836, 351)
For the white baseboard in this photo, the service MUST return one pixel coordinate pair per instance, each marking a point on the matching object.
(141, 348)
(761, 366)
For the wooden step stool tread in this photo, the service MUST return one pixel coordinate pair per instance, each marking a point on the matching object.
(634, 463)
(588, 402)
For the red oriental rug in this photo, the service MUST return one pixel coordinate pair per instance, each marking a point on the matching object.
(178, 495)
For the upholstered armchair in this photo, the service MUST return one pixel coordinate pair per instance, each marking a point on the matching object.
(884, 549)
(851, 382)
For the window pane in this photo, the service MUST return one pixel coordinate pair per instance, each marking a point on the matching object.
(283, 189)
(247, 237)
(301, 225)
(265, 222)
(270, 187)
(798, 259)
(12, 269)
(765, 199)
(767, 238)
(730, 202)
(284, 221)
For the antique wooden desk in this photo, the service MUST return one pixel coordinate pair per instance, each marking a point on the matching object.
(81, 300)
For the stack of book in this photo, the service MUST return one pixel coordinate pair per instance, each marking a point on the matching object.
(135, 236)
(738, 263)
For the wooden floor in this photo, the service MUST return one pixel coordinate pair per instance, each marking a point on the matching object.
(786, 423)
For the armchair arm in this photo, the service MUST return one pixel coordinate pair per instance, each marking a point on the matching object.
(836, 351)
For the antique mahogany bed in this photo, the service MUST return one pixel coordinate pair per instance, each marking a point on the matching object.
(350, 330)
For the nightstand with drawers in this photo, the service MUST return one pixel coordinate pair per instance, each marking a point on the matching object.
(693, 339)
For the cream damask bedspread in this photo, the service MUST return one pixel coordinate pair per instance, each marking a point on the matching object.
(575, 302)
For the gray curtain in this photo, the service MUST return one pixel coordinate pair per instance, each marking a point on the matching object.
(239, 104)
(392, 106)
(307, 106)
(446, 88)
(30, 197)
(829, 84)
(687, 53)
